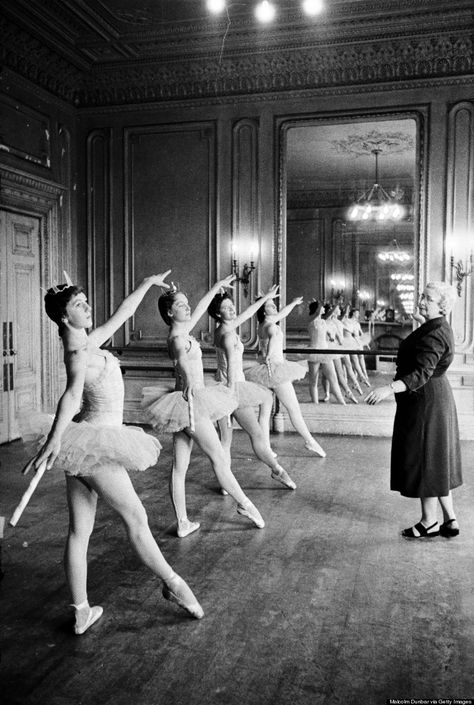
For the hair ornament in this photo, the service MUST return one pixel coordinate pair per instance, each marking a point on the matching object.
(54, 289)
(172, 289)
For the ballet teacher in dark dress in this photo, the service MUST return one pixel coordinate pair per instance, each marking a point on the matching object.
(426, 457)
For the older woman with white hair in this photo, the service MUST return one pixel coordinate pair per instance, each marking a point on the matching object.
(426, 457)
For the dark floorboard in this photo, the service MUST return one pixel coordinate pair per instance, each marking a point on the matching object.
(326, 605)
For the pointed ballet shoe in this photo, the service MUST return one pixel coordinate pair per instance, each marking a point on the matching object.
(85, 618)
(351, 397)
(223, 492)
(251, 512)
(186, 527)
(178, 591)
(420, 532)
(282, 476)
(448, 531)
(314, 447)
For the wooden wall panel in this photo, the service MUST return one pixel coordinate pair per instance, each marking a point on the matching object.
(460, 220)
(169, 217)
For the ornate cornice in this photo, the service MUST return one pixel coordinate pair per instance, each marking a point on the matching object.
(149, 69)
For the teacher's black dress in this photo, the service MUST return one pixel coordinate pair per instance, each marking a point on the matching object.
(426, 456)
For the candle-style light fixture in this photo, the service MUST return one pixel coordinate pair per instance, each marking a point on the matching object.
(376, 204)
(243, 276)
(461, 272)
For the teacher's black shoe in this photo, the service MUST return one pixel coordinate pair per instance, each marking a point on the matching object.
(448, 531)
(421, 532)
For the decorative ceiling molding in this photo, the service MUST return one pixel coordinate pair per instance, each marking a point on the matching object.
(94, 58)
(363, 144)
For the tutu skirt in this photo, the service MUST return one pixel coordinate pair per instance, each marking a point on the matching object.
(272, 374)
(170, 412)
(87, 447)
(250, 394)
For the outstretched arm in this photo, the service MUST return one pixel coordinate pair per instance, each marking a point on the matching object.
(253, 308)
(202, 306)
(286, 310)
(127, 308)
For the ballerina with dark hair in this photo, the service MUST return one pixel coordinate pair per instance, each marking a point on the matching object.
(342, 362)
(229, 349)
(277, 373)
(95, 449)
(192, 409)
(317, 329)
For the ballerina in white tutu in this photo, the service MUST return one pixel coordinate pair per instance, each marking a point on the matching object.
(317, 329)
(95, 450)
(229, 349)
(277, 373)
(190, 411)
(351, 340)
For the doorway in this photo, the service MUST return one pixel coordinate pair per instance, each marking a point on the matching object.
(20, 309)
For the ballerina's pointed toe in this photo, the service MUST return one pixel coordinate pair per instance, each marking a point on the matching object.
(251, 512)
(182, 595)
(186, 527)
(283, 477)
(315, 448)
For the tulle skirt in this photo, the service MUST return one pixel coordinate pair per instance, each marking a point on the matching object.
(251, 394)
(170, 412)
(272, 374)
(87, 447)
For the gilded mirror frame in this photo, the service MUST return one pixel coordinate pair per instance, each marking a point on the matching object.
(284, 124)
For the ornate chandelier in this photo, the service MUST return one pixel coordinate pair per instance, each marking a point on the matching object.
(376, 204)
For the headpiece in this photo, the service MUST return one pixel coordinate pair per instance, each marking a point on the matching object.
(55, 290)
(172, 289)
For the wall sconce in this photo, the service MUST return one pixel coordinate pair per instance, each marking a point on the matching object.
(244, 276)
(460, 272)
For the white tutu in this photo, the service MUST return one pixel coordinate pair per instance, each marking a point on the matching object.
(170, 412)
(272, 374)
(87, 447)
(251, 394)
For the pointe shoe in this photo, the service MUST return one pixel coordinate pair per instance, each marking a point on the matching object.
(177, 591)
(282, 476)
(314, 447)
(224, 492)
(351, 397)
(251, 512)
(85, 617)
(186, 527)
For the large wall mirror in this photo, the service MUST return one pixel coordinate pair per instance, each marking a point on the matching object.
(350, 230)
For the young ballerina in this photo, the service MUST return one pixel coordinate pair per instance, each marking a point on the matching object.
(317, 329)
(190, 411)
(229, 349)
(277, 373)
(351, 341)
(95, 450)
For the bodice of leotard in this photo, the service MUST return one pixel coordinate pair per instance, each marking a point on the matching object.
(277, 346)
(102, 399)
(318, 330)
(347, 327)
(222, 366)
(193, 375)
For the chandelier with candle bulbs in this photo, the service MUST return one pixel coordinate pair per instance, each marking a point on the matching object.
(376, 204)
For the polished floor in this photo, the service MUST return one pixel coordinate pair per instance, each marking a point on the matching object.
(327, 605)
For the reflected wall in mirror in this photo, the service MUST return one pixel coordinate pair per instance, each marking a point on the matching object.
(351, 214)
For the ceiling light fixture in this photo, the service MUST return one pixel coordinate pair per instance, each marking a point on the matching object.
(216, 6)
(312, 7)
(265, 11)
(376, 204)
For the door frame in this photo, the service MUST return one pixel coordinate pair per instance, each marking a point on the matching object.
(32, 195)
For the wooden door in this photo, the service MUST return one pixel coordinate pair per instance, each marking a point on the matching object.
(20, 307)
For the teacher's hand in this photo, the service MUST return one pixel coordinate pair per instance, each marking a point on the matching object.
(378, 395)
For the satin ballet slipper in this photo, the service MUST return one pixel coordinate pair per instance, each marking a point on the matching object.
(176, 590)
(250, 511)
(186, 527)
(86, 616)
(314, 447)
(282, 476)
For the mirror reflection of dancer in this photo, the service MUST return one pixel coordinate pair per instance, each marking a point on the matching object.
(277, 373)
(229, 349)
(190, 411)
(317, 329)
(96, 449)
(351, 340)
(426, 455)
(336, 335)
(334, 345)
